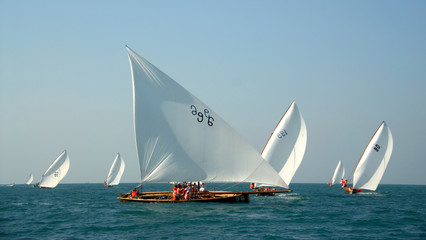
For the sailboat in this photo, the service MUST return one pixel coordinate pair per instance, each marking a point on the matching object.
(115, 172)
(30, 179)
(56, 171)
(179, 138)
(373, 162)
(286, 146)
(339, 172)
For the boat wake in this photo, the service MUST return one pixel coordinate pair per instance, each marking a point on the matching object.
(374, 194)
(290, 196)
(19, 204)
(45, 204)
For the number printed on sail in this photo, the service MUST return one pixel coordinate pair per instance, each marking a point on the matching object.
(377, 147)
(202, 116)
(282, 134)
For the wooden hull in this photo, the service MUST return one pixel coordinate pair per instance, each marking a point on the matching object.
(270, 193)
(38, 185)
(106, 185)
(265, 194)
(207, 196)
(167, 197)
(351, 190)
(255, 192)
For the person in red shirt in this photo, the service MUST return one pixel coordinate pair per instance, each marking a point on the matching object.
(134, 194)
(344, 182)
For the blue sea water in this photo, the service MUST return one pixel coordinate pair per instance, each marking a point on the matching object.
(311, 211)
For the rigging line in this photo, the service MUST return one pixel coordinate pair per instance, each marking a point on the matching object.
(138, 186)
(236, 183)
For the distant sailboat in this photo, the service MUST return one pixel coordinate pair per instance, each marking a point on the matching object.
(339, 173)
(179, 138)
(56, 171)
(373, 162)
(287, 144)
(115, 172)
(30, 179)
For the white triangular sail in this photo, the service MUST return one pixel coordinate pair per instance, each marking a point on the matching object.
(286, 146)
(179, 138)
(30, 179)
(339, 173)
(374, 160)
(116, 171)
(56, 171)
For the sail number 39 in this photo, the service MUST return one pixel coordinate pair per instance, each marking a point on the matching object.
(201, 116)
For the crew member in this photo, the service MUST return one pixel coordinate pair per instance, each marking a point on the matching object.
(134, 193)
(344, 182)
(174, 192)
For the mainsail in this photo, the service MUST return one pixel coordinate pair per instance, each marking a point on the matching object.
(374, 160)
(116, 171)
(339, 173)
(287, 143)
(179, 138)
(56, 171)
(30, 179)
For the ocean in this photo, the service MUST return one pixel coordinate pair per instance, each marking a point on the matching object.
(311, 211)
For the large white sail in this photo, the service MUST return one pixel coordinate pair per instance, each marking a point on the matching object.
(116, 171)
(286, 146)
(339, 173)
(179, 138)
(56, 171)
(374, 160)
(30, 179)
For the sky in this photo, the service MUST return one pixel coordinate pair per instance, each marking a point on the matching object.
(65, 80)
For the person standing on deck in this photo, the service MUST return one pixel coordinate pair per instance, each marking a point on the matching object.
(185, 194)
(178, 191)
(134, 194)
(344, 182)
(174, 192)
(188, 192)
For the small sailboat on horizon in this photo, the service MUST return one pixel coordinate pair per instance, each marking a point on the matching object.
(30, 179)
(115, 172)
(55, 172)
(339, 172)
(373, 162)
(179, 139)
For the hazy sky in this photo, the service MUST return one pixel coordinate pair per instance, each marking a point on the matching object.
(65, 79)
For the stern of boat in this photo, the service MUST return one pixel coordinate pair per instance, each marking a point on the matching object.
(349, 190)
